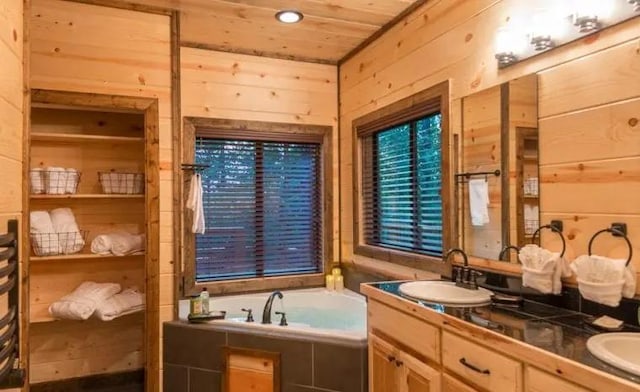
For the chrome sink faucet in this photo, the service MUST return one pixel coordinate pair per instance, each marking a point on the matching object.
(266, 313)
(464, 276)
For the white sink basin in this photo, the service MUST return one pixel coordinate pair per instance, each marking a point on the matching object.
(620, 350)
(445, 293)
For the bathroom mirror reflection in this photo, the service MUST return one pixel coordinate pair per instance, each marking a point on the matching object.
(497, 170)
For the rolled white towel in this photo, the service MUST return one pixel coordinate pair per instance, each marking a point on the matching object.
(604, 280)
(101, 244)
(82, 302)
(105, 181)
(64, 223)
(127, 302)
(542, 269)
(55, 180)
(123, 243)
(72, 181)
(36, 178)
(119, 244)
(43, 234)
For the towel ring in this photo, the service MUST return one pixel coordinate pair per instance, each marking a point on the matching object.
(616, 233)
(556, 230)
(506, 249)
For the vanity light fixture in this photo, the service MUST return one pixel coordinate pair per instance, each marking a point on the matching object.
(289, 16)
(586, 23)
(635, 4)
(542, 23)
(506, 47)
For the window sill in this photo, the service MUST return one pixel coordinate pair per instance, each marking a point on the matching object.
(398, 264)
(241, 286)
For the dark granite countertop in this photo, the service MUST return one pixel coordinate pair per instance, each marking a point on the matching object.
(556, 330)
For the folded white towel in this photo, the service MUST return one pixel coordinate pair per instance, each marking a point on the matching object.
(64, 223)
(55, 180)
(36, 178)
(72, 181)
(194, 203)
(479, 202)
(604, 280)
(127, 302)
(82, 302)
(44, 236)
(101, 244)
(542, 269)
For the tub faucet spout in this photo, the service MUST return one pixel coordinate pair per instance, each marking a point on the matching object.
(266, 313)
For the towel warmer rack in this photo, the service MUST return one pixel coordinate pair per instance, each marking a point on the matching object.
(11, 376)
(555, 226)
(616, 230)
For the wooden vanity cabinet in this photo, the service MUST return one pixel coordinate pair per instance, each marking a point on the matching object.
(393, 370)
(539, 381)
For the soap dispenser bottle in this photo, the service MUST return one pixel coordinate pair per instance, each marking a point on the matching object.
(204, 298)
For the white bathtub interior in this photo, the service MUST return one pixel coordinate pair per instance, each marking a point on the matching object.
(311, 313)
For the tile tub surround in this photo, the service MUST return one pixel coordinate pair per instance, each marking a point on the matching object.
(556, 330)
(193, 360)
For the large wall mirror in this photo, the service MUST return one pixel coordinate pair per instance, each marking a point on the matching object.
(497, 186)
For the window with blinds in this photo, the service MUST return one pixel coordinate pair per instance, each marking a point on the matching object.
(263, 209)
(401, 189)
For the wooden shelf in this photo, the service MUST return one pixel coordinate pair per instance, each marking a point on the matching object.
(88, 196)
(77, 138)
(531, 197)
(79, 256)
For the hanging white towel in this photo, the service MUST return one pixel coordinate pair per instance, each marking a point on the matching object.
(36, 177)
(64, 223)
(127, 302)
(542, 269)
(43, 233)
(194, 203)
(83, 301)
(479, 202)
(604, 280)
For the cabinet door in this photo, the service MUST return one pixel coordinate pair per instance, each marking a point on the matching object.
(416, 375)
(383, 374)
(450, 384)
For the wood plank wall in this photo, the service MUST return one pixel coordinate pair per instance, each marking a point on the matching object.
(242, 87)
(11, 117)
(591, 82)
(87, 48)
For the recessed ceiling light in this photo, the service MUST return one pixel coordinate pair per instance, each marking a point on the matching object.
(289, 16)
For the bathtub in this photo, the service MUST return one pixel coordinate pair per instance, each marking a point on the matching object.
(317, 315)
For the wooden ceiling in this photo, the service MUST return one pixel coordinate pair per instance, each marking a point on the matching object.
(329, 31)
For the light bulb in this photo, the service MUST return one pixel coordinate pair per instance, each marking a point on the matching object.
(543, 25)
(507, 46)
(289, 16)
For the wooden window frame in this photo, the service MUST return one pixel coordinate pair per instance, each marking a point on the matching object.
(418, 105)
(263, 131)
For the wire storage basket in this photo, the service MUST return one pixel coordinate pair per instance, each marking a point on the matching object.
(54, 244)
(54, 181)
(121, 183)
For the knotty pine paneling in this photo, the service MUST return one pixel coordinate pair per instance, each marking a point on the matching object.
(242, 87)
(11, 119)
(455, 40)
(87, 48)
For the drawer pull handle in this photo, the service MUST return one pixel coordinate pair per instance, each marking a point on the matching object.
(391, 358)
(464, 362)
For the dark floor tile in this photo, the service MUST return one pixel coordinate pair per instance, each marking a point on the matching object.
(175, 379)
(193, 346)
(204, 381)
(295, 360)
(338, 368)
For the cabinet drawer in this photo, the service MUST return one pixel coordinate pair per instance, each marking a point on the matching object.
(480, 366)
(539, 381)
(415, 334)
